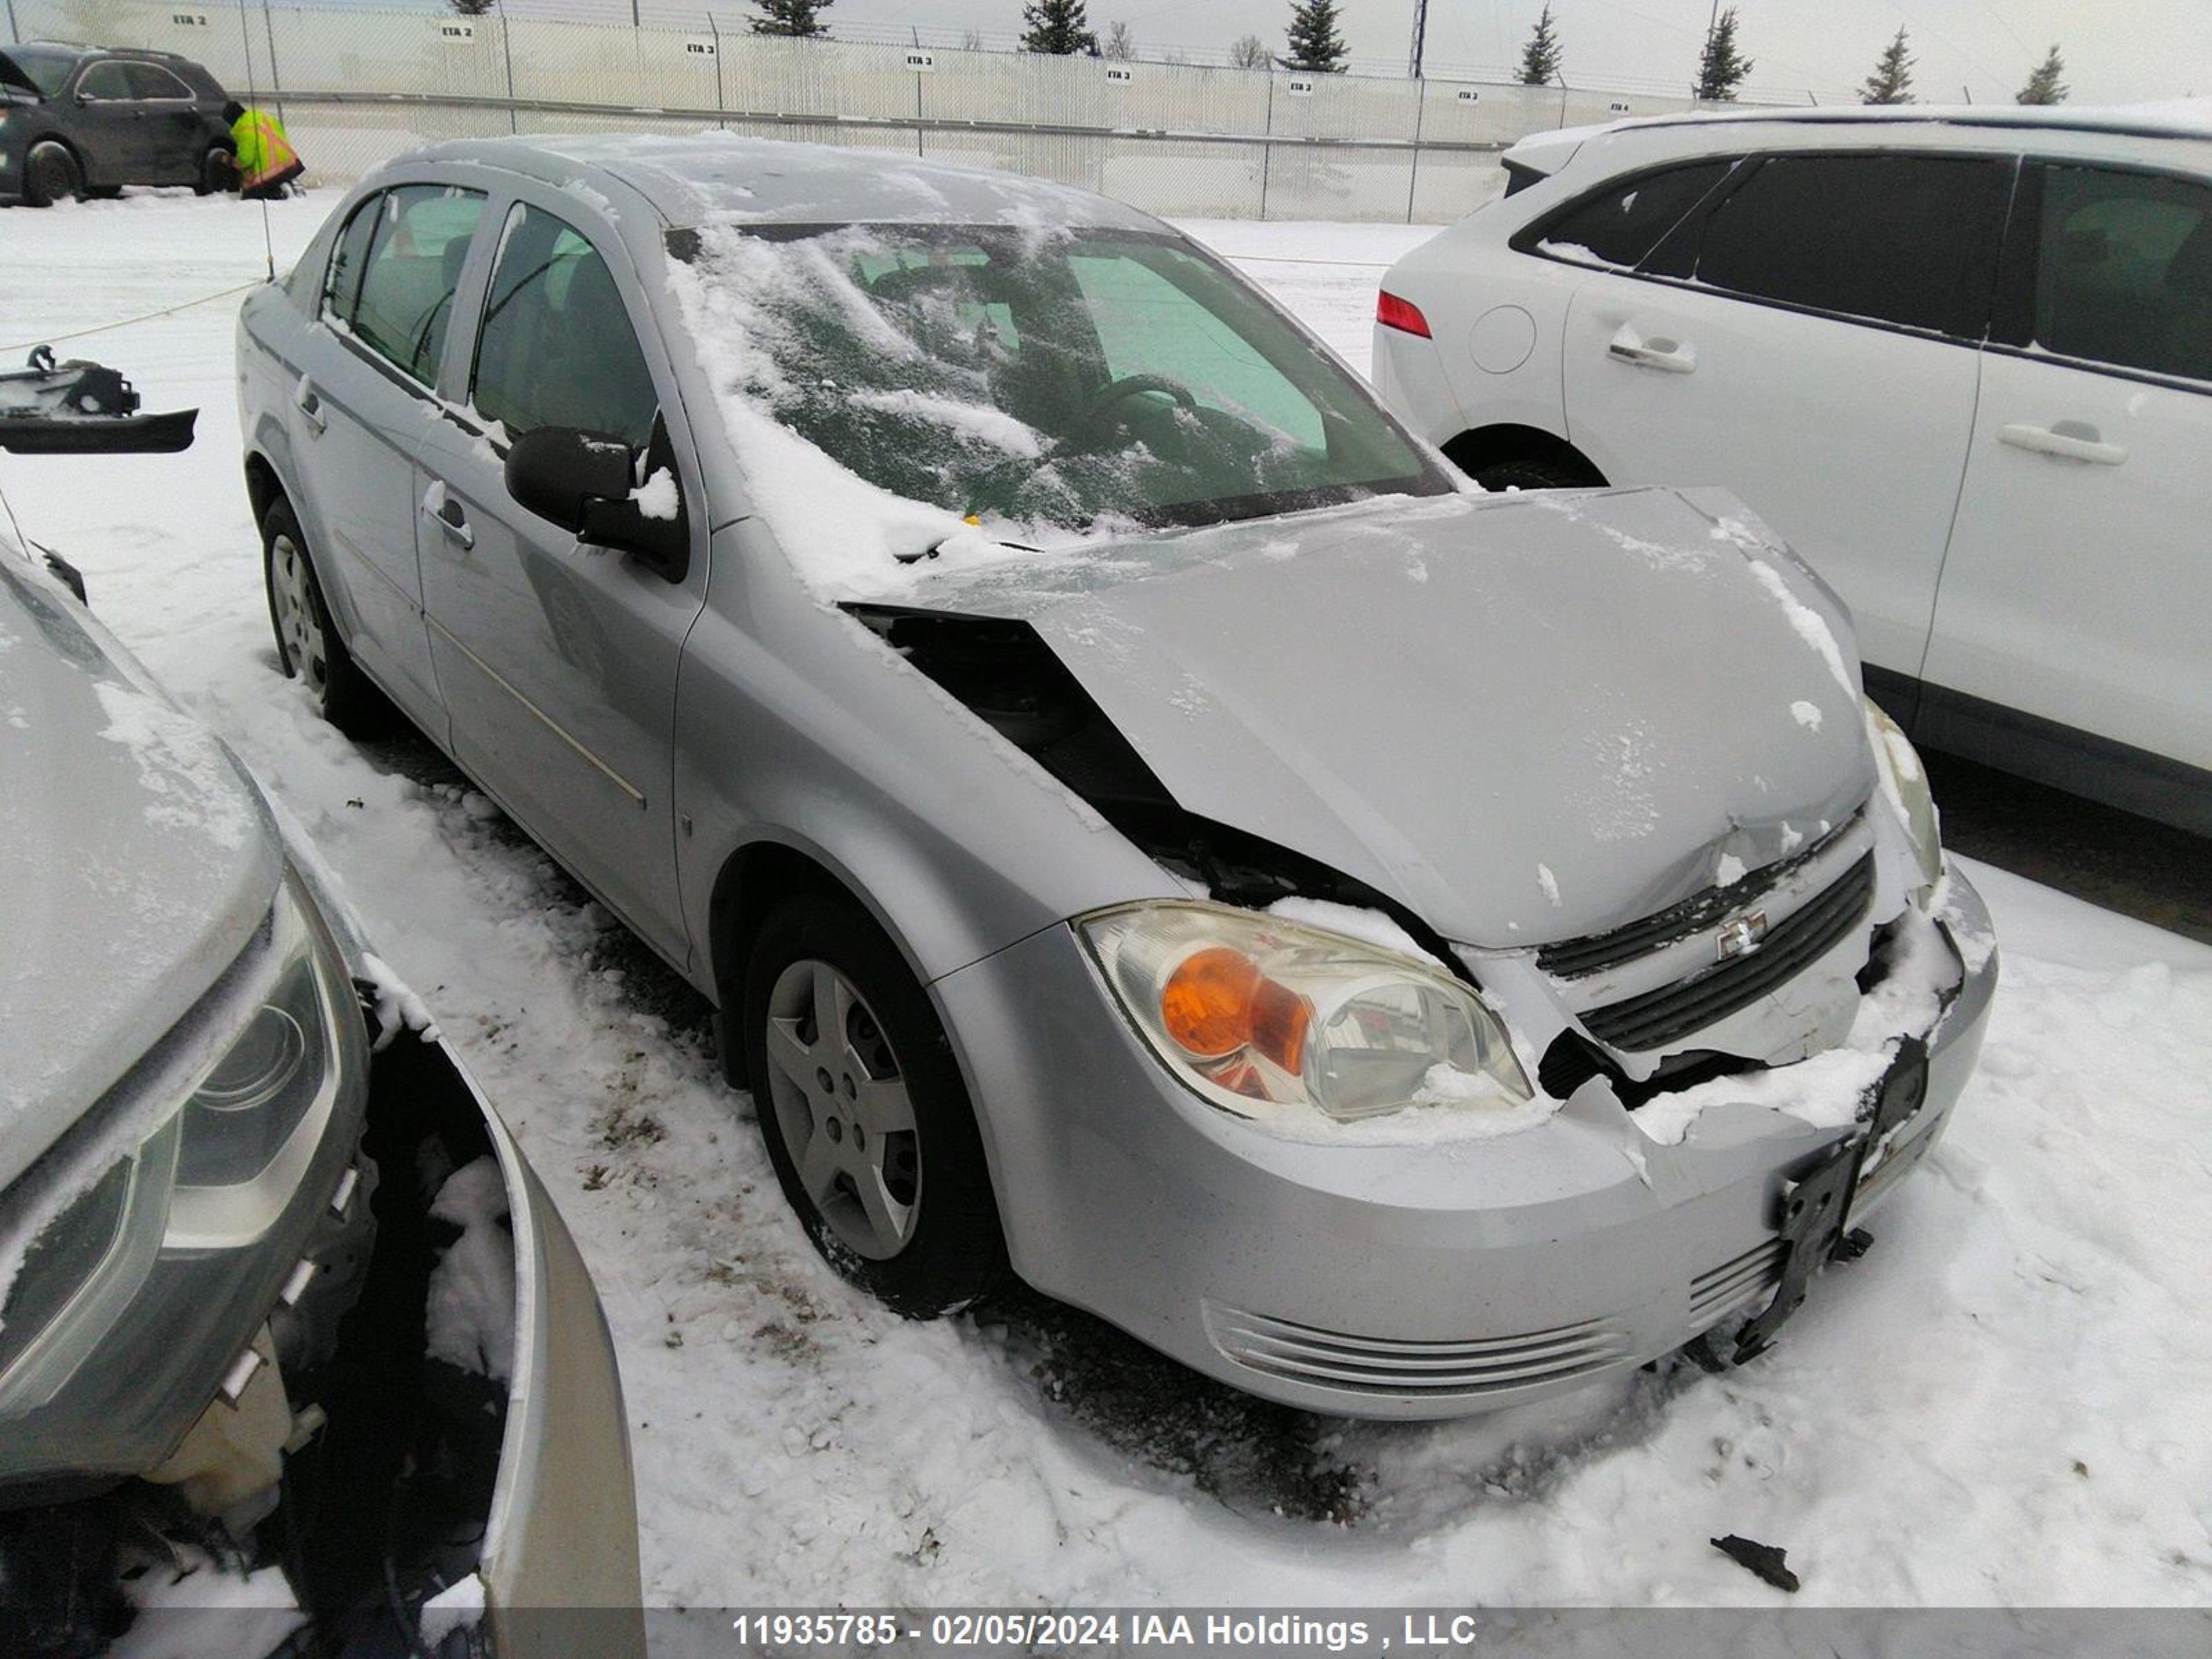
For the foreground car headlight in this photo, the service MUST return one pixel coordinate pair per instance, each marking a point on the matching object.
(1905, 783)
(220, 1167)
(1268, 1018)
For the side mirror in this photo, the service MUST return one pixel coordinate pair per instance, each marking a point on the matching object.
(586, 483)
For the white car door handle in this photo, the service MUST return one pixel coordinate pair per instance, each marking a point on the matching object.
(445, 512)
(311, 406)
(2072, 440)
(1670, 356)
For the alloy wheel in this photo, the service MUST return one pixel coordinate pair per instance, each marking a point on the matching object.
(842, 1104)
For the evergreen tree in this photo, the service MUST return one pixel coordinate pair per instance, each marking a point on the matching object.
(1543, 57)
(2044, 86)
(1314, 40)
(1060, 27)
(1721, 68)
(1250, 51)
(1892, 80)
(799, 18)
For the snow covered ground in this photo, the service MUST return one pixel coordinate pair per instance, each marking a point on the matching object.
(2005, 1402)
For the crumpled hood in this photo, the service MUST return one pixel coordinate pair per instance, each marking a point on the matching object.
(138, 861)
(1527, 718)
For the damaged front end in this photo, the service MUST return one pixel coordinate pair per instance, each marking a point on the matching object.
(370, 1466)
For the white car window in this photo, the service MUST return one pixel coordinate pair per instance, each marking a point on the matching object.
(2123, 270)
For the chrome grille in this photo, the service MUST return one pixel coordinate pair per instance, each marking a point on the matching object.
(1658, 1017)
(1374, 1365)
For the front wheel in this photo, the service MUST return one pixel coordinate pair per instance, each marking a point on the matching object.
(864, 1114)
(1532, 475)
(308, 648)
(50, 174)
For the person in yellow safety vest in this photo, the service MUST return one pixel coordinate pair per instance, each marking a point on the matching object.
(265, 159)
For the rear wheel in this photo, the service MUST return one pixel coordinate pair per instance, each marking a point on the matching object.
(307, 644)
(864, 1111)
(216, 174)
(1532, 475)
(50, 174)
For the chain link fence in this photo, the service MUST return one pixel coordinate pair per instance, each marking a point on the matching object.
(357, 87)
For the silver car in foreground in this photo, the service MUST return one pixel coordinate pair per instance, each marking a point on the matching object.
(278, 1294)
(1143, 825)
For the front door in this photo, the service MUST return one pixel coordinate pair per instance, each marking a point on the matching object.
(557, 659)
(2079, 586)
(1809, 343)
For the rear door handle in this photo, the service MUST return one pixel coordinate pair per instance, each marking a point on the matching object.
(2071, 441)
(310, 405)
(445, 512)
(1669, 356)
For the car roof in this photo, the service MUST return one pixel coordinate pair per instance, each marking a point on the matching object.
(75, 48)
(722, 177)
(2180, 119)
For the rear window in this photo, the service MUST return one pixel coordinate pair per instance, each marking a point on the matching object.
(1623, 222)
(152, 81)
(2123, 270)
(1909, 240)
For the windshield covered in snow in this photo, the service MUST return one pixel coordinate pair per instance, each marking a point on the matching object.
(1058, 380)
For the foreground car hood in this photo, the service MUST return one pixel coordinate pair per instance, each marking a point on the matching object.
(1526, 718)
(138, 860)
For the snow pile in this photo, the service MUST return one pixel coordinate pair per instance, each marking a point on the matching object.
(469, 1319)
(459, 1606)
(1811, 627)
(192, 787)
(657, 497)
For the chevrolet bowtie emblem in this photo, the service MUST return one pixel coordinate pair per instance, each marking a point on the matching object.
(1740, 935)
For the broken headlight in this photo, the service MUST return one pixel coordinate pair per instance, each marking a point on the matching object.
(209, 1170)
(1905, 786)
(1269, 1018)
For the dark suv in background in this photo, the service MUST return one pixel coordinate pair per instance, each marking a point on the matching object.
(87, 120)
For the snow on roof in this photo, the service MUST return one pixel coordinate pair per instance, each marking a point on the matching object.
(689, 177)
(2180, 118)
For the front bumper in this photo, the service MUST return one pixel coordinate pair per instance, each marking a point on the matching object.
(1388, 1281)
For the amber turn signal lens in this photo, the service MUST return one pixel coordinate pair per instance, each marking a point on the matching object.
(1218, 1002)
(1207, 1004)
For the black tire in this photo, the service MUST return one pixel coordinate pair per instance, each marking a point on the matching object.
(51, 174)
(343, 694)
(1533, 475)
(216, 174)
(103, 192)
(955, 1253)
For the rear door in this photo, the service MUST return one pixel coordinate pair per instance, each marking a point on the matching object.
(2079, 586)
(1807, 336)
(361, 406)
(557, 659)
(169, 118)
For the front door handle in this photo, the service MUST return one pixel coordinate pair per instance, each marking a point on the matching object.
(1669, 356)
(2070, 440)
(445, 512)
(310, 405)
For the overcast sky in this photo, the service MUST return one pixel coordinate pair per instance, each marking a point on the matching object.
(2114, 51)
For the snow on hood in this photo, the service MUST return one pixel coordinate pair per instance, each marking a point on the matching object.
(1525, 718)
(139, 861)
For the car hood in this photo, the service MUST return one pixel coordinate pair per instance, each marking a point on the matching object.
(139, 862)
(1527, 718)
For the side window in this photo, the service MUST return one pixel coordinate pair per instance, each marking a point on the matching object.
(152, 81)
(1895, 238)
(556, 348)
(418, 240)
(2123, 270)
(1623, 222)
(106, 82)
(342, 283)
(1148, 326)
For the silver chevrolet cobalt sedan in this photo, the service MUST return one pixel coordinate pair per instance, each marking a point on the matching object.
(1145, 826)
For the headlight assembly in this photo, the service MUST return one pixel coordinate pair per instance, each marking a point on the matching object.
(1270, 1020)
(1904, 784)
(221, 1164)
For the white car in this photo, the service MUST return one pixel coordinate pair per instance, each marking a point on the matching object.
(1960, 359)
